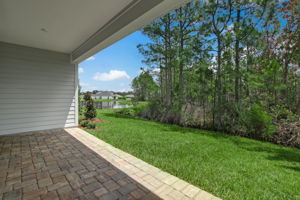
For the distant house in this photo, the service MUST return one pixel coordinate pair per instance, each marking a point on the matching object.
(116, 96)
(95, 96)
(103, 95)
(129, 96)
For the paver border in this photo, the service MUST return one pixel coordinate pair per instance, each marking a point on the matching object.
(162, 184)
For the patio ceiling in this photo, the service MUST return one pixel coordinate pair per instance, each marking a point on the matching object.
(78, 27)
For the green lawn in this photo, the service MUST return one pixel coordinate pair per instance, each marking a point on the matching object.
(226, 166)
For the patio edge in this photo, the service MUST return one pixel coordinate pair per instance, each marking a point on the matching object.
(161, 183)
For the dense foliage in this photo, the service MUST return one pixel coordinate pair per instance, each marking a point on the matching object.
(232, 168)
(144, 86)
(229, 65)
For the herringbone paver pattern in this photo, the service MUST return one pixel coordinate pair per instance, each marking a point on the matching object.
(72, 164)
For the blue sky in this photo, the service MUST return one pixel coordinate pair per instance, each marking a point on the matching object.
(114, 67)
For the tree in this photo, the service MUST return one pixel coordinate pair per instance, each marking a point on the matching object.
(288, 40)
(160, 54)
(218, 15)
(185, 17)
(221, 57)
(90, 112)
(144, 86)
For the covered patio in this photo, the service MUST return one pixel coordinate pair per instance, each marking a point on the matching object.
(72, 164)
(42, 153)
(41, 44)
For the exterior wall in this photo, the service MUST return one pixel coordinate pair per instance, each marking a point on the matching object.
(95, 97)
(38, 89)
(105, 97)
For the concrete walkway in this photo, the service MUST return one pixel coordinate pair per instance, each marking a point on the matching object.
(160, 183)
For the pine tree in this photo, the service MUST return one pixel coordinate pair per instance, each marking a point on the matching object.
(90, 112)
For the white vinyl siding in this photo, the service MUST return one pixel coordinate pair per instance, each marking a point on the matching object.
(37, 89)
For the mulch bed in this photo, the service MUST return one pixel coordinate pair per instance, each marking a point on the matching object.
(95, 120)
(97, 128)
(98, 120)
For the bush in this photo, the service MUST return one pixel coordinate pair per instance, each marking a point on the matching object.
(91, 125)
(133, 111)
(236, 120)
(84, 123)
(260, 122)
(128, 111)
(282, 114)
(153, 111)
(88, 124)
(90, 111)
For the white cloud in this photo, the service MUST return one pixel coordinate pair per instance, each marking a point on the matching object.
(80, 70)
(111, 75)
(91, 58)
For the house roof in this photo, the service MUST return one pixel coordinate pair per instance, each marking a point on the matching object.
(130, 96)
(104, 93)
(80, 28)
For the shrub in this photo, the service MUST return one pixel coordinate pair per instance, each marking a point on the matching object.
(236, 120)
(84, 123)
(283, 114)
(153, 111)
(133, 111)
(90, 111)
(91, 125)
(87, 124)
(128, 112)
(260, 122)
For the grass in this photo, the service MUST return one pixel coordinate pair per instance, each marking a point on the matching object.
(227, 166)
(126, 102)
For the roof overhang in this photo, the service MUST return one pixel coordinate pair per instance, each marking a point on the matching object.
(80, 28)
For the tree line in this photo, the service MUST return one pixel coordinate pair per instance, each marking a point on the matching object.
(235, 62)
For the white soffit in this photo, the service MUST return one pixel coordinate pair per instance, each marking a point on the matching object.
(58, 25)
(96, 43)
(79, 27)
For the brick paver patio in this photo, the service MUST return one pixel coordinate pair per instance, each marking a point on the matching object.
(72, 164)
